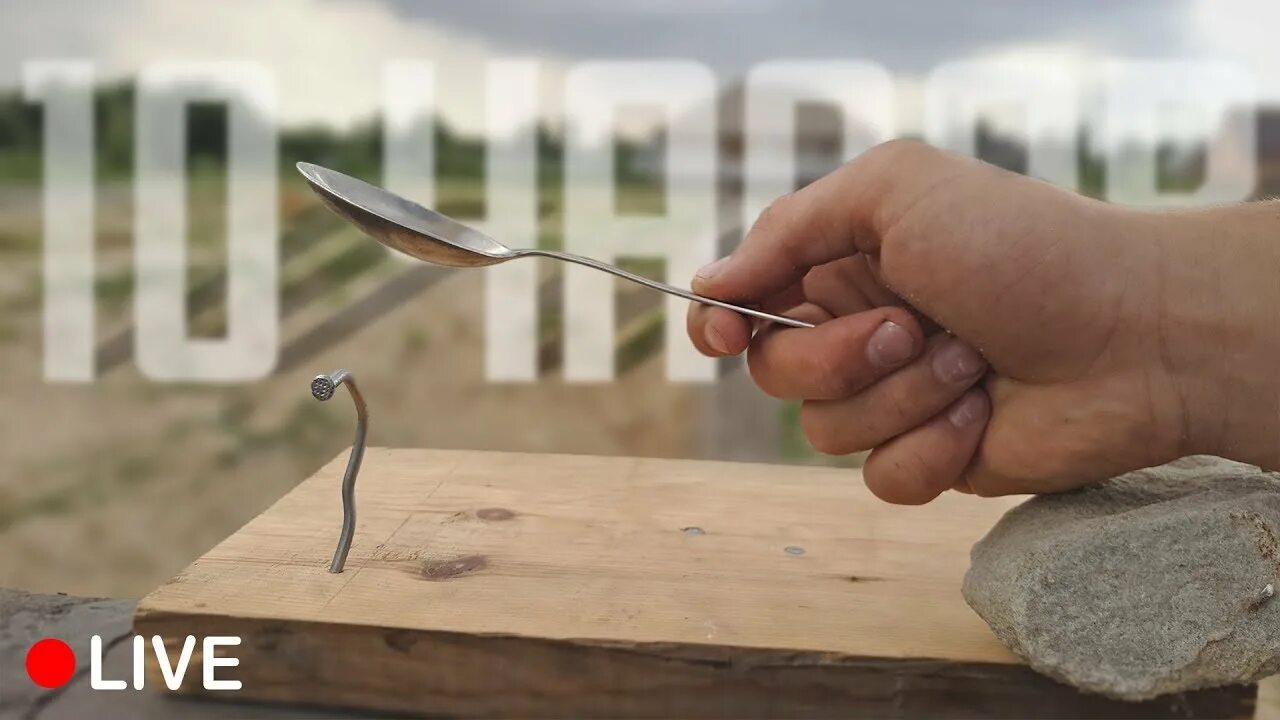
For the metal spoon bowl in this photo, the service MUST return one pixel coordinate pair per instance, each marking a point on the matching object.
(427, 235)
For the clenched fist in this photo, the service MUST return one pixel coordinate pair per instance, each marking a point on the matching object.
(988, 332)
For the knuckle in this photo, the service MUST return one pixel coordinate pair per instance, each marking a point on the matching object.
(762, 373)
(782, 224)
(897, 166)
(826, 436)
(832, 375)
(773, 216)
(820, 278)
(900, 478)
(899, 149)
(899, 405)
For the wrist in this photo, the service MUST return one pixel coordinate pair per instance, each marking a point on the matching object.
(1213, 325)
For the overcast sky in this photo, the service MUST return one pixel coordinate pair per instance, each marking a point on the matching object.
(905, 36)
(327, 54)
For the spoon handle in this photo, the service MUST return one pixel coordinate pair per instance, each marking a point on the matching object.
(671, 289)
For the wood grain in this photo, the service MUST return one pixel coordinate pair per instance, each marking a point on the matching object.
(497, 584)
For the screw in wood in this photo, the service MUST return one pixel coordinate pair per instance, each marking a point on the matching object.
(322, 388)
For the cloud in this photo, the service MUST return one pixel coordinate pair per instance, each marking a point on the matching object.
(327, 55)
(1243, 31)
(906, 37)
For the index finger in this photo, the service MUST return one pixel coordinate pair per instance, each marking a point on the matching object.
(835, 216)
(717, 332)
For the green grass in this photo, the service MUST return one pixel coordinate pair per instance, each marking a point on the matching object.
(17, 243)
(95, 484)
(305, 431)
(414, 344)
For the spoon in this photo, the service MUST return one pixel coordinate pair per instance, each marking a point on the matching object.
(427, 235)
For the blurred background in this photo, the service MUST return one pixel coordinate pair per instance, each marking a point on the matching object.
(111, 484)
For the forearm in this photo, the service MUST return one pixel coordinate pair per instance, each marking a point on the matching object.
(1216, 325)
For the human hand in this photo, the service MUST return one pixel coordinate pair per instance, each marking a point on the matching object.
(977, 329)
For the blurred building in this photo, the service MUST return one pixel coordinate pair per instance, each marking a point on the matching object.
(818, 141)
(1268, 152)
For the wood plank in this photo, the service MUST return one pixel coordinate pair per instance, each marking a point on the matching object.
(25, 617)
(503, 584)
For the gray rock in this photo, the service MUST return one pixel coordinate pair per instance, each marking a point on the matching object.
(1157, 581)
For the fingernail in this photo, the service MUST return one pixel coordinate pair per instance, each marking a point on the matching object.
(971, 409)
(956, 361)
(709, 271)
(716, 340)
(890, 345)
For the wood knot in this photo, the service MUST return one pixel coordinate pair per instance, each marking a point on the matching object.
(495, 514)
(448, 569)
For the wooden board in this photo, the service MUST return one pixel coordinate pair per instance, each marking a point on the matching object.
(495, 584)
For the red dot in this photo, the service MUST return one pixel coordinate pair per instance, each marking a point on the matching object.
(50, 663)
